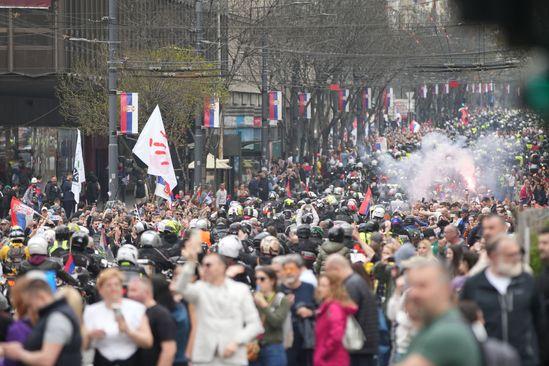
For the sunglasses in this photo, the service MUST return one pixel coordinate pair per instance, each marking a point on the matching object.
(261, 279)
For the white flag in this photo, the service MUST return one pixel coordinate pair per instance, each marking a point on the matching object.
(152, 149)
(78, 172)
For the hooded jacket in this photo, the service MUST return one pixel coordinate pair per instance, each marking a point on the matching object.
(331, 321)
(326, 249)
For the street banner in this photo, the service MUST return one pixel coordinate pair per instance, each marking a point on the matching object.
(447, 88)
(129, 111)
(304, 105)
(153, 150)
(508, 88)
(30, 4)
(21, 214)
(390, 98)
(436, 89)
(211, 112)
(275, 106)
(78, 172)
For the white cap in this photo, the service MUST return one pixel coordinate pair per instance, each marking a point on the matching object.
(230, 246)
(34, 180)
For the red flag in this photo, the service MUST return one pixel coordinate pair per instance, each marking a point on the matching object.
(365, 205)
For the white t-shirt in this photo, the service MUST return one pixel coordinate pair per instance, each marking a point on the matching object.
(115, 345)
(500, 283)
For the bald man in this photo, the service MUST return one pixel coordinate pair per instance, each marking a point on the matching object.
(359, 291)
(444, 338)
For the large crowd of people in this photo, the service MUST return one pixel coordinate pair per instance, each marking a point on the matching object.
(326, 261)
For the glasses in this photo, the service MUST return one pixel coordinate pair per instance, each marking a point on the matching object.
(261, 279)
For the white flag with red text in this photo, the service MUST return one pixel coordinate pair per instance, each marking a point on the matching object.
(152, 148)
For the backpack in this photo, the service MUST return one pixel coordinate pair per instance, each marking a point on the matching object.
(354, 338)
(497, 353)
(287, 327)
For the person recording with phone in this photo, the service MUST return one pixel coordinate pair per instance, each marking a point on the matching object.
(115, 327)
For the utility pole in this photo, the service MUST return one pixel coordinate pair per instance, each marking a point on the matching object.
(198, 133)
(112, 81)
(219, 56)
(264, 103)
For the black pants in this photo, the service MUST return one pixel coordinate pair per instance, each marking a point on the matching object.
(297, 356)
(363, 360)
(68, 206)
(99, 360)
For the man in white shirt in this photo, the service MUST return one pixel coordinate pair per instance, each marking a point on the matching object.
(227, 319)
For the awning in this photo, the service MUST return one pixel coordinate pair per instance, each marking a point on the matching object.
(33, 4)
(214, 163)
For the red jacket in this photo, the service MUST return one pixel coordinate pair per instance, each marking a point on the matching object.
(331, 320)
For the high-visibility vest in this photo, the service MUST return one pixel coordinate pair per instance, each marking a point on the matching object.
(56, 245)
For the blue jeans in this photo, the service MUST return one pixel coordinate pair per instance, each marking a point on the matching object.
(271, 355)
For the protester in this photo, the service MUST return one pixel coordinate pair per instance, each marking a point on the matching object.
(507, 296)
(163, 327)
(226, 316)
(331, 320)
(115, 327)
(443, 338)
(55, 339)
(274, 308)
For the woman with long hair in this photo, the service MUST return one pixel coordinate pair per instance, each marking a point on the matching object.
(273, 309)
(425, 250)
(331, 321)
(454, 255)
(20, 329)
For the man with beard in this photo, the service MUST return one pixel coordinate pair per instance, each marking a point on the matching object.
(508, 298)
(443, 338)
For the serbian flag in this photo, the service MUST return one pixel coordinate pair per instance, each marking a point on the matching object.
(275, 106)
(21, 214)
(69, 265)
(304, 105)
(129, 110)
(365, 205)
(211, 112)
(343, 100)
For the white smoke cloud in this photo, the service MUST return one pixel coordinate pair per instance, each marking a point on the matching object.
(444, 168)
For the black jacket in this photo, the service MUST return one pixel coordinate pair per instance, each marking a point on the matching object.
(367, 315)
(516, 317)
(71, 353)
(543, 288)
(48, 265)
(52, 192)
(160, 257)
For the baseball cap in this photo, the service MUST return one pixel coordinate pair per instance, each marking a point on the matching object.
(230, 246)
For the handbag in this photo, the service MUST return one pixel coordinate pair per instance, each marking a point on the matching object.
(354, 339)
